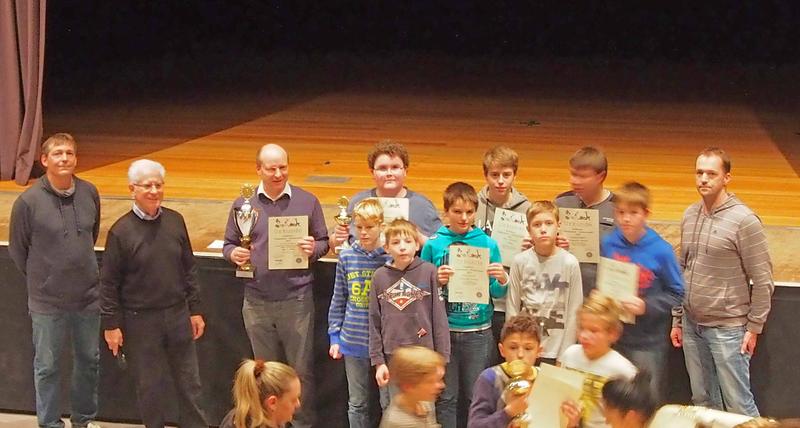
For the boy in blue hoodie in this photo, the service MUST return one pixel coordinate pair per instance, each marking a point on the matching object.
(470, 323)
(348, 316)
(646, 342)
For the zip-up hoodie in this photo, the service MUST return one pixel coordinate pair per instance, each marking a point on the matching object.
(721, 253)
(51, 241)
(405, 309)
(660, 284)
(464, 317)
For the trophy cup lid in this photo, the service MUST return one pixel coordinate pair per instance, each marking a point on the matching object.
(247, 191)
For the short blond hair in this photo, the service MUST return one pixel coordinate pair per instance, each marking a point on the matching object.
(58, 139)
(538, 207)
(603, 307)
(589, 157)
(501, 157)
(633, 193)
(369, 209)
(401, 227)
(410, 364)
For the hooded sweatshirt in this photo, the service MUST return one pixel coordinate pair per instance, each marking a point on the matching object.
(405, 309)
(721, 253)
(51, 240)
(660, 284)
(464, 317)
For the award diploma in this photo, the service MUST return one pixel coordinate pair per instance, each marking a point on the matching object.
(618, 280)
(284, 232)
(509, 229)
(582, 228)
(469, 282)
(553, 386)
(394, 208)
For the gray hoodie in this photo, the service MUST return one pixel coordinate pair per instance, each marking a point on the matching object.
(484, 215)
(51, 241)
(721, 253)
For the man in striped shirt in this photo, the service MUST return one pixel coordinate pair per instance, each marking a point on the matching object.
(723, 250)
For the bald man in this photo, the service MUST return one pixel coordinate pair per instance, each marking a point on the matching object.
(278, 307)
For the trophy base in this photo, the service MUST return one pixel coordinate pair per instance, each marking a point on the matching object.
(244, 274)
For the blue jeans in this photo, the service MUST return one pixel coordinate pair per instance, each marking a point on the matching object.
(469, 356)
(718, 373)
(50, 331)
(652, 358)
(359, 381)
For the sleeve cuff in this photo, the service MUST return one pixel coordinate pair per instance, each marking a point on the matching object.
(754, 327)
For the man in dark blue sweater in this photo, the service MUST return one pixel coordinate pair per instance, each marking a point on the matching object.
(278, 308)
(149, 298)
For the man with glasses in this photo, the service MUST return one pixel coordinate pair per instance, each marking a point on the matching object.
(150, 303)
(388, 161)
(53, 228)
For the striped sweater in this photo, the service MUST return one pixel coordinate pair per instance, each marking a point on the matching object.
(721, 253)
(348, 315)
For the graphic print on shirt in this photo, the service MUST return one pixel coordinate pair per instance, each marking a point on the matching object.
(403, 293)
(360, 283)
(545, 298)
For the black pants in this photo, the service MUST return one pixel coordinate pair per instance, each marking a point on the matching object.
(159, 343)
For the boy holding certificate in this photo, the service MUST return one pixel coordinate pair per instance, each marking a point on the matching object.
(404, 304)
(492, 406)
(546, 283)
(646, 342)
(470, 322)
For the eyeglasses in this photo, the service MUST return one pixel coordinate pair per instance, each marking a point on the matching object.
(387, 170)
(151, 186)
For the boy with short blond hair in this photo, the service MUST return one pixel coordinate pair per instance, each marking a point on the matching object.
(470, 323)
(588, 169)
(491, 407)
(546, 283)
(404, 304)
(500, 164)
(348, 315)
(417, 373)
(646, 342)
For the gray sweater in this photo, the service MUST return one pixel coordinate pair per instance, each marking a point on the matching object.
(721, 253)
(51, 241)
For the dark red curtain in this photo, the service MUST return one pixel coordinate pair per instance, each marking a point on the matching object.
(22, 28)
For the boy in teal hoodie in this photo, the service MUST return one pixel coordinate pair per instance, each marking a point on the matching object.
(470, 323)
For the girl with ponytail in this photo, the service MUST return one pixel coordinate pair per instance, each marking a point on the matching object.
(265, 395)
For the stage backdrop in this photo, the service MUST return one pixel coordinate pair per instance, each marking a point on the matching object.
(225, 343)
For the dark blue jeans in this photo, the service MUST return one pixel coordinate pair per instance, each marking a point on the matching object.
(469, 356)
(50, 331)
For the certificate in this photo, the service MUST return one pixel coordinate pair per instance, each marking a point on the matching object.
(582, 228)
(469, 282)
(553, 386)
(394, 208)
(284, 232)
(618, 280)
(509, 229)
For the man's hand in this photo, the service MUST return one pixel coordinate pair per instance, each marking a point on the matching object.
(527, 242)
(572, 411)
(240, 255)
(749, 343)
(496, 271)
(198, 326)
(443, 274)
(340, 235)
(634, 306)
(307, 245)
(676, 335)
(113, 339)
(516, 404)
(334, 352)
(382, 375)
(562, 241)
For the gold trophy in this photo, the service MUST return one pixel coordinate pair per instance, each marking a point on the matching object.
(521, 376)
(245, 217)
(343, 219)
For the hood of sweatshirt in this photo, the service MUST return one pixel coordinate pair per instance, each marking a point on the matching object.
(417, 262)
(484, 215)
(377, 252)
(62, 197)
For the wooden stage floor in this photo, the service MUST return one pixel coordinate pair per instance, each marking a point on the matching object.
(650, 131)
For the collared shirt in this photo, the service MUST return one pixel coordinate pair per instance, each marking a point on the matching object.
(287, 190)
(143, 215)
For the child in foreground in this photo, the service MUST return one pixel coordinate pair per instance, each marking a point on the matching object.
(491, 407)
(265, 394)
(417, 372)
(599, 328)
